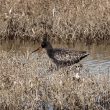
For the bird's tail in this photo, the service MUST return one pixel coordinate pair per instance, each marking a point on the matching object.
(85, 54)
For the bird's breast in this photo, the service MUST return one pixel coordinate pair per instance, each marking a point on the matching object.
(50, 53)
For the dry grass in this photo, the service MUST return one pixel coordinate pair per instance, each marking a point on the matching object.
(26, 85)
(66, 20)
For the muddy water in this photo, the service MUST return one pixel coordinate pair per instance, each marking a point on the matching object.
(97, 62)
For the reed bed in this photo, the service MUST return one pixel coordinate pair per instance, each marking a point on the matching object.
(66, 21)
(27, 84)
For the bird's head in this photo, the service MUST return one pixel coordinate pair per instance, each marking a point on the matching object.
(44, 44)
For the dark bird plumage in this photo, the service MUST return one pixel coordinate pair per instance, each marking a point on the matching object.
(62, 57)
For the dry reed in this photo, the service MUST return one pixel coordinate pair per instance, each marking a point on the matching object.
(66, 20)
(26, 85)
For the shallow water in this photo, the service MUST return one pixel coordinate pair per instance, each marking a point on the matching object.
(99, 59)
(97, 62)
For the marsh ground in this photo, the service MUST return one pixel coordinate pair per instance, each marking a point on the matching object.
(26, 84)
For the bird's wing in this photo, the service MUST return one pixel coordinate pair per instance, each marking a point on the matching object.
(68, 54)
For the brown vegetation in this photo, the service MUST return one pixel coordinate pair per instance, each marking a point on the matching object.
(66, 20)
(26, 85)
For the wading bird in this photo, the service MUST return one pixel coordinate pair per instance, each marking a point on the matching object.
(61, 57)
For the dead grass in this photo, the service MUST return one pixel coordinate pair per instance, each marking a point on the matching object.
(66, 20)
(26, 85)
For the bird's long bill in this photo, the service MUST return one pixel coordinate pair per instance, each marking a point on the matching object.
(36, 49)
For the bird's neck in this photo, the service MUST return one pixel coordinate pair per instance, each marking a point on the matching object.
(49, 46)
(49, 50)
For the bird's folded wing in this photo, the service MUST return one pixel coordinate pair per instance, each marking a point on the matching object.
(68, 55)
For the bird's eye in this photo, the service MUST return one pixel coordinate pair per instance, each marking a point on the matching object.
(43, 44)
